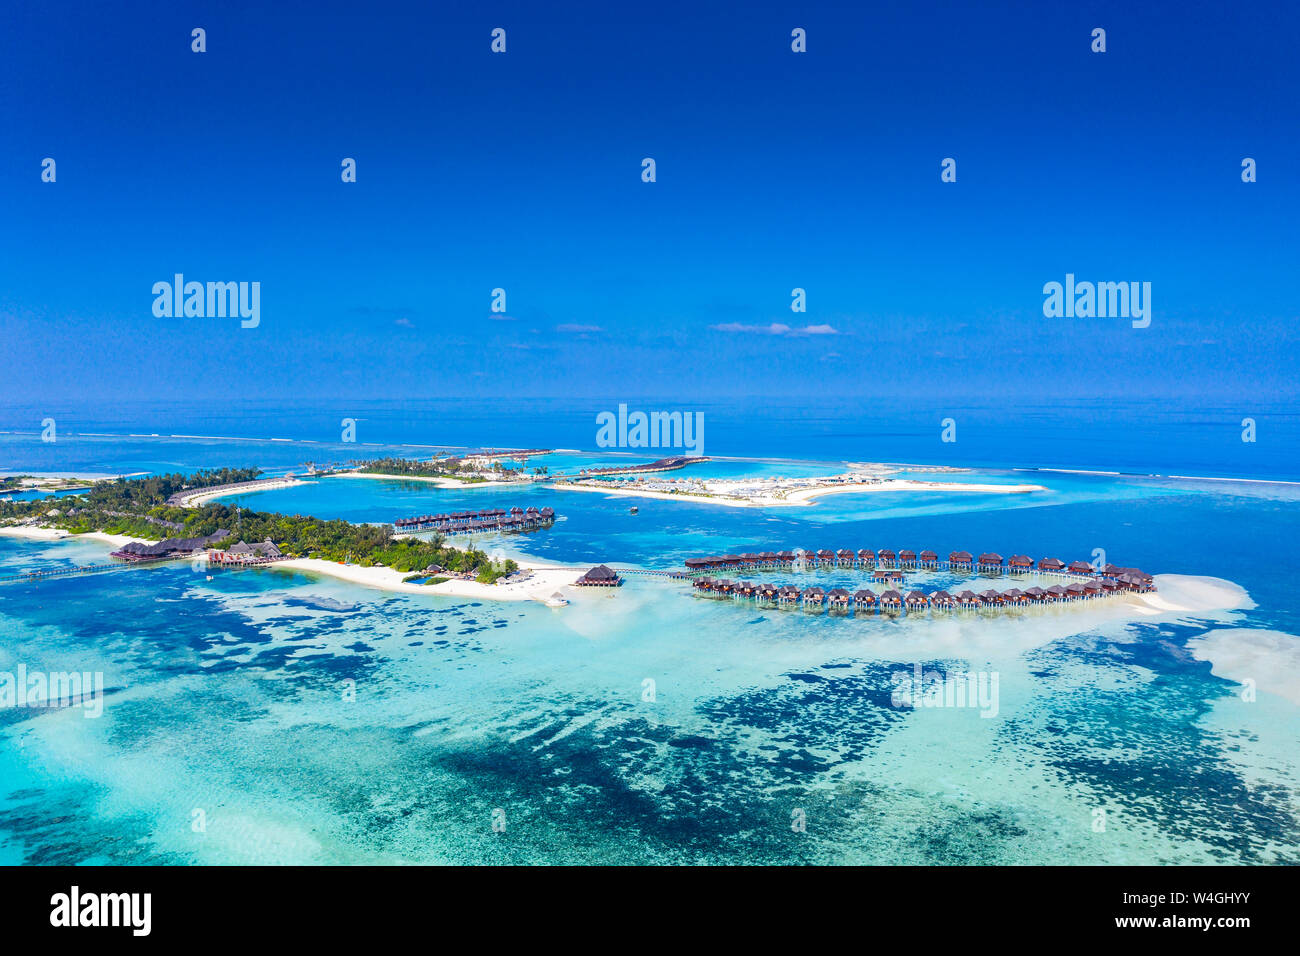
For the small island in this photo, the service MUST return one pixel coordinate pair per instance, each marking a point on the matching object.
(150, 513)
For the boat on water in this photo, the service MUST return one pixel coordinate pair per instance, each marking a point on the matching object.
(632, 510)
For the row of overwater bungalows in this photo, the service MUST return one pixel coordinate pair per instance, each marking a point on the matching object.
(488, 519)
(893, 600)
(987, 563)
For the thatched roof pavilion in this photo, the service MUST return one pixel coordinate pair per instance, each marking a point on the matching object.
(600, 576)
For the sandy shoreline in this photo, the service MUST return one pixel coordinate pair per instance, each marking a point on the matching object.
(545, 581)
(436, 480)
(58, 534)
(806, 496)
(198, 497)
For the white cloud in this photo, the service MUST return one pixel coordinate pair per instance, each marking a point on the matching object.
(776, 328)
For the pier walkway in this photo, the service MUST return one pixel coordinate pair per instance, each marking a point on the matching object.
(663, 464)
(80, 570)
(471, 522)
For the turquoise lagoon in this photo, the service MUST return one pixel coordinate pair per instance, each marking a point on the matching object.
(277, 717)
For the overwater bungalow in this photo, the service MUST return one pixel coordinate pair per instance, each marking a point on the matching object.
(990, 562)
(891, 600)
(1077, 590)
(866, 558)
(1015, 596)
(785, 558)
(942, 600)
(838, 598)
(907, 559)
(1079, 567)
(814, 597)
(1020, 563)
(698, 564)
(1093, 587)
(1051, 564)
(723, 586)
(1140, 575)
(886, 575)
(885, 559)
(960, 559)
(928, 559)
(1035, 594)
(1133, 582)
(969, 600)
(992, 598)
(703, 583)
(768, 592)
(600, 577)
(1056, 592)
(746, 589)
(826, 558)
(844, 557)
(788, 595)
(917, 601)
(749, 559)
(865, 598)
(767, 559)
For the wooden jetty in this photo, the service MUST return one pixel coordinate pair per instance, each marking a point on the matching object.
(486, 520)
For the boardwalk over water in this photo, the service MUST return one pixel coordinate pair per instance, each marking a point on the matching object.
(663, 464)
(79, 570)
(485, 521)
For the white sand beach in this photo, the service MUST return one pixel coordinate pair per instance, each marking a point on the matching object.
(734, 493)
(617, 492)
(544, 581)
(907, 484)
(58, 534)
(28, 531)
(1192, 593)
(1271, 659)
(438, 481)
(199, 496)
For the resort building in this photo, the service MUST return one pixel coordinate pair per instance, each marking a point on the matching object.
(602, 577)
(167, 548)
(263, 552)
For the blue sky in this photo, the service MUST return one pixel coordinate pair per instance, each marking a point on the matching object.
(775, 170)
